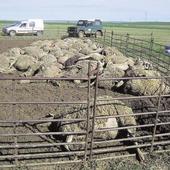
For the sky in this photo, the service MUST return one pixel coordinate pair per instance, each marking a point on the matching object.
(107, 10)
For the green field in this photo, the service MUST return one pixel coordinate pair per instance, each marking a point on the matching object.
(142, 30)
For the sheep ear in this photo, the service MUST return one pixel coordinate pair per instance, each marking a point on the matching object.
(139, 59)
(50, 115)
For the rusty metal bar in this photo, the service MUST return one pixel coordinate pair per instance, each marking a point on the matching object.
(115, 98)
(40, 145)
(42, 164)
(41, 155)
(111, 41)
(135, 97)
(88, 113)
(129, 127)
(46, 133)
(157, 115)
(15, 124)
(127, 43)
(83, 132)
(141, 49)
(94, 111)
(127, 155)
(77, 161)
(16, 143)
(81, 143)
(133, 114)
(42, 78)
(130, 138)
(43, 103)
(104, 38)
(133, 78)
(95, 151)
(40, 121)
(72, 78)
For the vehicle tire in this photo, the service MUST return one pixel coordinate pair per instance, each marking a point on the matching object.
(12, 33)
(98, 34)
(81, 34)
(71, 35)
(39, 33)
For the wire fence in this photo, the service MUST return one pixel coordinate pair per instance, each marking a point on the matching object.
(26, 140)
(139, 48)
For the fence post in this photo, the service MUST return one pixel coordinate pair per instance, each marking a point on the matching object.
(15, 124)
(157, 115)
(151, 46)
(94, 111)
(121, 43)
(127, 42)
(88, 114)
(111, 41)
(104, 38)
(141, 49)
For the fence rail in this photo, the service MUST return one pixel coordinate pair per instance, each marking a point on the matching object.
(22, 143)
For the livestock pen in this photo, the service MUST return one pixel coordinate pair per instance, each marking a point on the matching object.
(26, 140)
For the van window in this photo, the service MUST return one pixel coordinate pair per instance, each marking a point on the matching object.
(32, 24)
(23, 25)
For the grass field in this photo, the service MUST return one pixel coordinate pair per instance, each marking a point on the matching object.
(142, 30)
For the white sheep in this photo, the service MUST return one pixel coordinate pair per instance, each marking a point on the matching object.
(106, 106)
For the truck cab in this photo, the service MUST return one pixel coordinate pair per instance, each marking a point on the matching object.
(31, 26)
(86, 28)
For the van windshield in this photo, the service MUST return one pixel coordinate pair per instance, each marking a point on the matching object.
(15, 24)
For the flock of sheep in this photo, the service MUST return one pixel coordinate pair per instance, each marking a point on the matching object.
(70, 58)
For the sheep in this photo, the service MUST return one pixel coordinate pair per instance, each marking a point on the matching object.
(106, 106)
(140, 86)
(146, 65)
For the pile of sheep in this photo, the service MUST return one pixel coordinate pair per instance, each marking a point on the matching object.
(70, 58)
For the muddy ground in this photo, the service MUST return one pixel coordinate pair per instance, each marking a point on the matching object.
(7, 44)
(42, 91)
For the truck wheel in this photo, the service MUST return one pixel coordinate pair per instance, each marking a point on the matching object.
(98, 34)
(12, 33)
(81, 34)
(39, 33)
(71, 35)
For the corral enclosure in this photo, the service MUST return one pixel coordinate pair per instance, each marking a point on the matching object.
(29, 99)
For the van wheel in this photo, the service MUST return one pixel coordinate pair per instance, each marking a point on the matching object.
(81, 34)
(12, 33)
(98, 34)
(39, 33)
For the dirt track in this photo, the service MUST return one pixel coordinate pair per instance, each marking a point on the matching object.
(7, 44)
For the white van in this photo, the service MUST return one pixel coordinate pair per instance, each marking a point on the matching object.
(31, 26)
